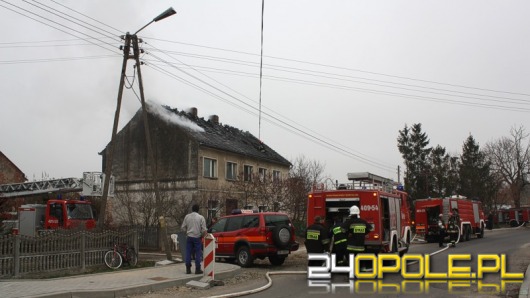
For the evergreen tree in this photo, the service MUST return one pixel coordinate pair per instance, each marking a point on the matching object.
(444, 172)
(474, 171)
(412, 144)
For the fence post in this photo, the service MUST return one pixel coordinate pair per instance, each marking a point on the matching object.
(16, 257)
(83, 250)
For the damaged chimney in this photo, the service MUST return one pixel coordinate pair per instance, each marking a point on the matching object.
(214, 119)
(193, 112)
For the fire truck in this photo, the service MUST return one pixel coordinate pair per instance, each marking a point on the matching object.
(513, 216)
(462, 216)
(34, 219)
(31, 219)
(382, 202)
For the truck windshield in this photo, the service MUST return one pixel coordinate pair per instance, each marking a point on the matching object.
(79, 211)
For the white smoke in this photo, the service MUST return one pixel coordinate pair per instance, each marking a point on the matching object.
(170, 117)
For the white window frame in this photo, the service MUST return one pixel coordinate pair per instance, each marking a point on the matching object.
(228, 166)
(212, 169)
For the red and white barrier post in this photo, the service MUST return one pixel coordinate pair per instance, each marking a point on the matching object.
(209, 256)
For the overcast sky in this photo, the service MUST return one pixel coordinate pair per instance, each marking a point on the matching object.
(340, 78)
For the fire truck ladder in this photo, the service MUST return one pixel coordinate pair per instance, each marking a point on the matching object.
(40, 187)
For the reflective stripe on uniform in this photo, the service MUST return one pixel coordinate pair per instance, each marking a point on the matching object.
(340, 241)
(337, 230)
(358, 228)
(325, 241)
(312, 234)
(355, 248)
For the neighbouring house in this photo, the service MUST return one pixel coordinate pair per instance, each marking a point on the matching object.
(9, 172)
(197, 160)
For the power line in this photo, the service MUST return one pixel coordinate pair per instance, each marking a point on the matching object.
(62, 25)
(373, 91)
(283, 123)
(345, 68)
(231, 89)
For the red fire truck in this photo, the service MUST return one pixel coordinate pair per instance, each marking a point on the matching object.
(382, 204)
(65, 214)
(467, 215)
(513, 216)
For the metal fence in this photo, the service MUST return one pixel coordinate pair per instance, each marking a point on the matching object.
(59, 251)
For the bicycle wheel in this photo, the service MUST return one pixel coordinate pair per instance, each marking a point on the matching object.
(132, 257)
(113, 259)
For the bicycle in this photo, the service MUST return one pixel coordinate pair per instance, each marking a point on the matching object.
(119, 253)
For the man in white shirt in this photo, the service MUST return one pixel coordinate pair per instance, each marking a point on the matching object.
(195, 226)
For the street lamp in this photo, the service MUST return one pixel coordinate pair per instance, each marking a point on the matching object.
(132, 41)
(169, 12)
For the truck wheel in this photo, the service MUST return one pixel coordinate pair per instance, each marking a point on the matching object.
(243, 257)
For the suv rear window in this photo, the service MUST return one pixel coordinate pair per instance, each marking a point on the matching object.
(276, 220)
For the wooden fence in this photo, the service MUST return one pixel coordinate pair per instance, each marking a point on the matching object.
(59, 251)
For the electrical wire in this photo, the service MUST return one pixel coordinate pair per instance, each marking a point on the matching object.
(344, 68)
(297, 130)
(59, 29)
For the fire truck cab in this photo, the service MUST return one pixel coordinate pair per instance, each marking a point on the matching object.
(382, 203)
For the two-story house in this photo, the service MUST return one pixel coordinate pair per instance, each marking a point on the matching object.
(197, 159)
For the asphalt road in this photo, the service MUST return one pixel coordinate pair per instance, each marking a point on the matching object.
(288, 281)
(515, 243)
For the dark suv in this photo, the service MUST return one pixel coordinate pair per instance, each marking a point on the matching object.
(247, 236)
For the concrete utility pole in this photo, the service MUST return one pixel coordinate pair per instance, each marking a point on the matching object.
(133, 40)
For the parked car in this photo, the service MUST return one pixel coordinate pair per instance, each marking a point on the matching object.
(247, 236)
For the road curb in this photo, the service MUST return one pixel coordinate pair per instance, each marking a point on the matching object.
(524, 290)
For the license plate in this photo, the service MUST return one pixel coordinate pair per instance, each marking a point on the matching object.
(283, 252)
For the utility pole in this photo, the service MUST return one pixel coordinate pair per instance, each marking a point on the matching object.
(128, 40)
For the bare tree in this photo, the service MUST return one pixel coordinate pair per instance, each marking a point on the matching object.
(304, 174)
(510, 160)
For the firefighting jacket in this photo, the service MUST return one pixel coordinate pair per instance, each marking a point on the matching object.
(356, 229)
(317, 240)
(339, 238)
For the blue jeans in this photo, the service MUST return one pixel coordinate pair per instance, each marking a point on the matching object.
(194, 244)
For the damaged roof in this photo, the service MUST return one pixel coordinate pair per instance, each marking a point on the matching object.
(228, 138)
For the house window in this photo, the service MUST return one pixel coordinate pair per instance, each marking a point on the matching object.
(210, 168)
(262, 174)
(247, 173)
(276, 176)
(231, 171)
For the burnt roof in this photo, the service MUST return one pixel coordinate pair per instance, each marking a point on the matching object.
(228, 138)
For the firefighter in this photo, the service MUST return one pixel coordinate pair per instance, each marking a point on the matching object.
(338, 242)
(452, 227)
(355, 229)
(316, 240)
(441, 229)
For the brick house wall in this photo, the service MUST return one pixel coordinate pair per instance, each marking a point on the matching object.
(9, 172)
